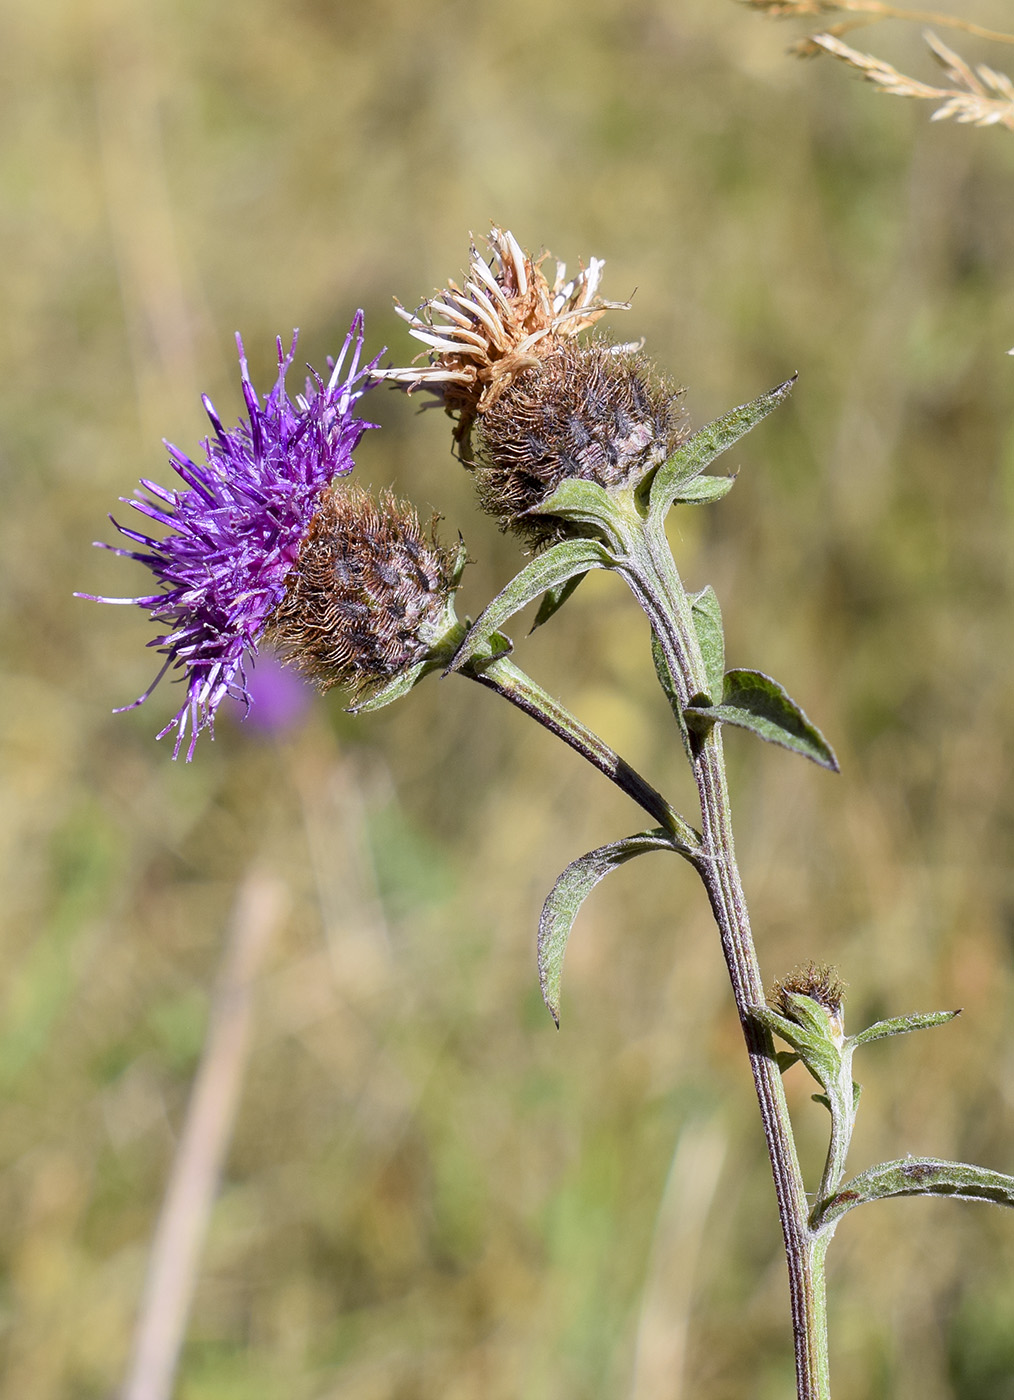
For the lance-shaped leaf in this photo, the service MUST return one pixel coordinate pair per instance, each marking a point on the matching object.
(901, 1025)
(668, 684)
(554, 598)
(810, 1037)
(707, 618)
(580, 502)
(546, 571)
(915, 1176)
(394, 689)
(703, 490)
(441, 652)
(569, 893)
(754, 701)
(701, 449)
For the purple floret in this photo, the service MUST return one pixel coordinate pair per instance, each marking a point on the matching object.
(236, 529)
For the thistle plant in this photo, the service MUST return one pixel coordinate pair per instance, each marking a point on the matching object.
(580, 448)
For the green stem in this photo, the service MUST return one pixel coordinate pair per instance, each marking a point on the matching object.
(652, 575)
(841, 1098)
(816, 1257)
(500, 674)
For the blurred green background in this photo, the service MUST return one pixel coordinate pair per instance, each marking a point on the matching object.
(432, 1193)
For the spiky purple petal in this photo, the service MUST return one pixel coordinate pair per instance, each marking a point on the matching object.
(237, 527)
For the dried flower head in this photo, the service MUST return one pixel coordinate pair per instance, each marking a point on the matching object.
(816, 980)
(583, 411)
(234, 532)
(480, 337)
(370, 595)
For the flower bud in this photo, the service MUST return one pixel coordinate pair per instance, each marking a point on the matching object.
(821, 984)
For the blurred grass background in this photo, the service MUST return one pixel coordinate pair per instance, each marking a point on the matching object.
(431, 1193)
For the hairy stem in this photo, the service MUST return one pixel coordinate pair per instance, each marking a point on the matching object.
(653, 577)
(501, 675)
(842, 1101)
(725, 892)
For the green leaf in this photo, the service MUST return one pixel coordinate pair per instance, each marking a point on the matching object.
(811, 1042)
(569, 893)
(554, 598)
(546, 571)
(916, 1176)
(707, 618)
(901, 1025)
(752, 700)
(451, 633)
(813, 1017)
(703, 490)
(665, 680)
(579, 501)
(797, 1036)
(700, 450)
(395, 688)
(665, 676)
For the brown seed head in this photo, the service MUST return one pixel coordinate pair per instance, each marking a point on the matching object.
(368, 596)
(481, 336)
(585, 411)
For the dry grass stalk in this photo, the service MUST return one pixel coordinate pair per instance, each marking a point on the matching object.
(872, 10)
(980, 96)
(200, 1157)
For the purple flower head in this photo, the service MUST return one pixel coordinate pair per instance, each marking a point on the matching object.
(235, 531)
